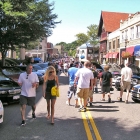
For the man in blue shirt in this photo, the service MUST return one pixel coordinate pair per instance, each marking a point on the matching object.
(72, 89)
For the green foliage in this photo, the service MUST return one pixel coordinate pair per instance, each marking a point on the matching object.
(82, 38)
(92, 34)
(24, 21)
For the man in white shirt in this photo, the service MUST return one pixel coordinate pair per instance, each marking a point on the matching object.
(29, 82)
(126, 74)
(84, 76)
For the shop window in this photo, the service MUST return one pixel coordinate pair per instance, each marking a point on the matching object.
(114, 44)
(109, 45)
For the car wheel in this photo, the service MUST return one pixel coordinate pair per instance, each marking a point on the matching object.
(136, 101)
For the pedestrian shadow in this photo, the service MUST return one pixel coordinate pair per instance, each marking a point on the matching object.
(103, 110)
(100, 106)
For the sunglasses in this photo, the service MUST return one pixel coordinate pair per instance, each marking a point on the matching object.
(51, 71)
(27, 76)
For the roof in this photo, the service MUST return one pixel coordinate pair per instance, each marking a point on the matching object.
(111, 20)
(84, 46)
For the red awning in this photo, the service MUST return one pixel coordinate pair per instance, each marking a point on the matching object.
(115, 55)
(107, 55)
(128, 53)
(110, 55)
(130, 50)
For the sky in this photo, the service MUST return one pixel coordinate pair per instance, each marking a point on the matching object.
(77, 15)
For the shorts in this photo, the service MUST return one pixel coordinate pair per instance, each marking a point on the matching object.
(90, 93)
(27, 100)
(83, 93)
(72, 90)
(126, 85)
(105, 89)
(48, 96)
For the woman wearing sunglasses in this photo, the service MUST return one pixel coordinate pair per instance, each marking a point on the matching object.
(50, 80)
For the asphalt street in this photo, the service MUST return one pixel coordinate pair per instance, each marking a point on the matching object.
(106, 121)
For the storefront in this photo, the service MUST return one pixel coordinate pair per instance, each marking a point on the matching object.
(128, 54)
(113, 57)
(137, 55)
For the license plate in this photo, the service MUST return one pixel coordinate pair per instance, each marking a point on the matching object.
(16, 97)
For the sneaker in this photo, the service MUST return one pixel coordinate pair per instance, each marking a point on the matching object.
(67, 103)
(33, 116)
(119, 99)
(80, 109)
(109, 100)
(23, 123)
(126, 101)
(103, 99)
(84, 110)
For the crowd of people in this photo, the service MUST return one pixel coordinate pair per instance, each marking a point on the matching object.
(83, 82)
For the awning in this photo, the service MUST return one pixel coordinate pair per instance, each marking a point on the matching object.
(110, 55)
(128, 53)
(130, 50)
(115, 55)
(107, 55)
(137, 51)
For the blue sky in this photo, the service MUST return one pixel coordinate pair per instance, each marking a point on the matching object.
(77, 15)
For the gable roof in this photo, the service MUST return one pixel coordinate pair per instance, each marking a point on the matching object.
(111, 20)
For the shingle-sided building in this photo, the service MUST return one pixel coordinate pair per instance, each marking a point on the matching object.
(109, 22)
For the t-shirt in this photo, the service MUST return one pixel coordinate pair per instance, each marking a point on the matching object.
(71, 72)
(106, 78)
(85, 75)
(65, 66)
(27, 80)
(127, 73)
(95, 73)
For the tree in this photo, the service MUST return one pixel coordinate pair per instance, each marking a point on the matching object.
(24, 21)
(81, 38)
(92, 34)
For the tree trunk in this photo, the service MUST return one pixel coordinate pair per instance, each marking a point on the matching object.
(3, 57)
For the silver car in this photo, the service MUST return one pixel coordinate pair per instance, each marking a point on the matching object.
(1, 112)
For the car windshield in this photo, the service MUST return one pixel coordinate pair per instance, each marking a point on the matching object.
(3, 77)
(43, 65)
(11, 71)
(37, 67)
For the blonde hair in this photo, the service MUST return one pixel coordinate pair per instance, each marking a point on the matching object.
(106, 67)
(46, 75)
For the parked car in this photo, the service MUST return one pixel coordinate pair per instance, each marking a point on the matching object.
(38, 69)
(135, 93)
(43, 65)
(12, 72)
(40, 75)
(1, 112)
(9, 89)
(37, 60)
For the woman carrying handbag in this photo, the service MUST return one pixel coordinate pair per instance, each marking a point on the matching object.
(50, 80)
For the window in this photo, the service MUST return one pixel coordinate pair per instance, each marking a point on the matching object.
(122, 36)
(132, 33)
(118, 43)
(109, 45)
(126, 33)
(138, 31)
(114, 44)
